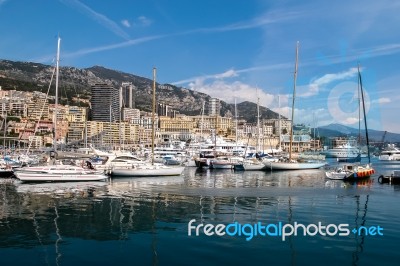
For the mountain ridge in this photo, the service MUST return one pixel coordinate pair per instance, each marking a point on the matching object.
(74, 81)
(339, 130)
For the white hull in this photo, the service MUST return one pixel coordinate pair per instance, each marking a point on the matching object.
(221, 166)
(394, 157)
(340, 153)
(254, 167)
(58, 177)
(151, 170)
(336, 176)
(293, 166)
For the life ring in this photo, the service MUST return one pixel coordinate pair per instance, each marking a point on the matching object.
(380, 179)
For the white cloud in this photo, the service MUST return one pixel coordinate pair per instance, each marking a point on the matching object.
(315, 86)
(382, 100)
(227, 74)
(233, 73)
(144, 21)
(100, 48)
(266, 19)
(228, 92)
(126, 23)
(99, 18)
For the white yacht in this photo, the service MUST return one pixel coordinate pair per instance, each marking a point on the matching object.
(342, 151)
(58, 173)
(390, 153)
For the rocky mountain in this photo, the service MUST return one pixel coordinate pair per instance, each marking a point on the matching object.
(338, 130)
(75, 84)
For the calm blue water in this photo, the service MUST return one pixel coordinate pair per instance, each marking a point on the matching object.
(145, 221)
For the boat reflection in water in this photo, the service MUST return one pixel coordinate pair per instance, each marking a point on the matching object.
(145, 220)
(248, 179)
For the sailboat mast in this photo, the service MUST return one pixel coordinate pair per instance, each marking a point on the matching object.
(294, 96)
(236, 125)
(258, 123)
(365, 116)
(279, 123)
(153, 116)
(202, 121)
(56, 100)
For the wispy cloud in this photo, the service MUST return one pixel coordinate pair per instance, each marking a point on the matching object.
(266, 19)
(144, 21)
(229, 91)
(126, 23)
(99, 18)
(141, 21)
(99, 49)
(2, 2)
(315, 86)
(233, 73)
(382, 100)
(357, 54)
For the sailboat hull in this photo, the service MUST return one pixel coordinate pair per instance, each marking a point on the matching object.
(147, 171)
(58, 177)
(293, 166)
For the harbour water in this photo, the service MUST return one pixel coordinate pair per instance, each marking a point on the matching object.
(144, 221)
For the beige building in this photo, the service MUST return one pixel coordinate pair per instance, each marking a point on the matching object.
(103, 133)
(181, 127)
(286, 125)
(38, 109)
(76, 114)
(62, 111)
(36, 142)
(208, 124)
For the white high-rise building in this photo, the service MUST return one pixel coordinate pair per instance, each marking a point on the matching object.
(214, 107)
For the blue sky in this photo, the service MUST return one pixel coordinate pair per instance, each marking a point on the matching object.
(241, 49)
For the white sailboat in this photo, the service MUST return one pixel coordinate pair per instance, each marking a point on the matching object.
(355, 171)
(290, 163)
(252, 164)
(57, 172)
(149, 169)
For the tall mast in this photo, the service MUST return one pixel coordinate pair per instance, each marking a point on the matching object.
(365, 116)
(236, 124)
(202, 121)
(279, 123)
(294, 96)
(56, 100)
(153, 115)
(258, 122)
(111, 141)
